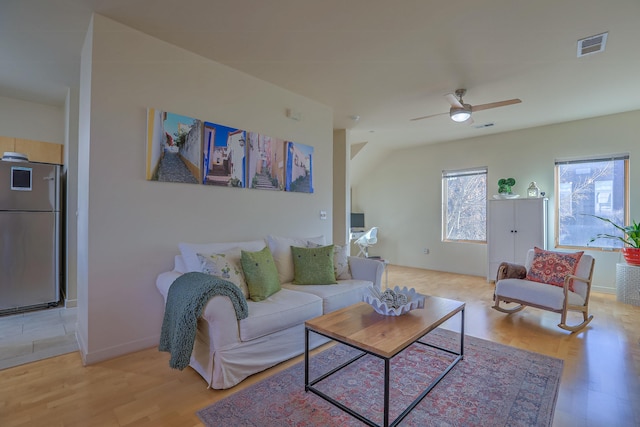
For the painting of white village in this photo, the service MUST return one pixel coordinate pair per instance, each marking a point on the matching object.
(224, 154)
(266, 162)
(173, 147)
(185, 149)
(299, 168)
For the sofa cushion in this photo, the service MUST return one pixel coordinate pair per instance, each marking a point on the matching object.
(552, 267)
(261, 274)
(313, 266)
(345, 293)
(281, 250)
(190, 251)
(226, 265)
(535, 293)
(278, 312)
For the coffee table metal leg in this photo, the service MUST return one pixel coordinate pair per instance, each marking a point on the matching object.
(386, 392)
(306, 359)
(462, 334)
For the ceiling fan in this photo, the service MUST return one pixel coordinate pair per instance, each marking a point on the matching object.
(461, 112)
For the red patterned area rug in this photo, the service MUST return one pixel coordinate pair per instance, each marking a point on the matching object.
(494, 385)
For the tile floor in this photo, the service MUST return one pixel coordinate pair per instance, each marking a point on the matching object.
(36, 335)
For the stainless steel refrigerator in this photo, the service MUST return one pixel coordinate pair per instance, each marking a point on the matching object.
(29, 235)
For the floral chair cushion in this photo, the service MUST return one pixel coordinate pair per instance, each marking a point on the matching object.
(552, 267)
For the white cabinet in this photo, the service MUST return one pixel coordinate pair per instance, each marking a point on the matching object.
(513, 227)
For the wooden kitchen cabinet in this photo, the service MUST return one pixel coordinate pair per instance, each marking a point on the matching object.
(7, 144)
(36, 151)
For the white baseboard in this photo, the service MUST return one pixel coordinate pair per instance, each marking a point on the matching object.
(89, 358)
(603, 290)
(82, 347)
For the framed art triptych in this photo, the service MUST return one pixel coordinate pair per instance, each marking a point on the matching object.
(189, 150)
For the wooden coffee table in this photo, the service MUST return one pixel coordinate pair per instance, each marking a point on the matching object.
(360, 327)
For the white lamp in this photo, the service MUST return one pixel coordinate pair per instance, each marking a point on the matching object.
(459, 115)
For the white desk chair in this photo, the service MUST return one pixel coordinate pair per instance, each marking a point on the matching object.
(367, 239)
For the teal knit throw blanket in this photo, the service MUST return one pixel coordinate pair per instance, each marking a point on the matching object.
(186, 300)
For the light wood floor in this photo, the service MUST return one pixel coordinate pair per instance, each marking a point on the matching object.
(600, 383)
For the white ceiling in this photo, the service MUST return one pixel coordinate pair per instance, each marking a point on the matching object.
(385, 61)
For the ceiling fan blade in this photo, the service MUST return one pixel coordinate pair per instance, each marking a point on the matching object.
(451, 98)
(469, 121)
(427, 117)
(495, 104)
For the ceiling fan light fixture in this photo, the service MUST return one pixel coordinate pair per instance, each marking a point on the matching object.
(459, 115)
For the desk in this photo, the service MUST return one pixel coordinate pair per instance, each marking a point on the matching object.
(355, 235)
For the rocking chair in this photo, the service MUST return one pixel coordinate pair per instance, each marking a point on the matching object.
(512, 286)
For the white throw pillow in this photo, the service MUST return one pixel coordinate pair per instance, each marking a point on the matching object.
(227, 266)
(281, 250)
(341, 263)
(190, 251)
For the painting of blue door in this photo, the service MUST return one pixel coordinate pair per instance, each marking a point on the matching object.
(299, 170)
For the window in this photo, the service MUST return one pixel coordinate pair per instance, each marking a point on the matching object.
(586, 187)
(464, 199)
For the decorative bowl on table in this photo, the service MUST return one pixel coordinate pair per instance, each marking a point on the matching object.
(394, 302)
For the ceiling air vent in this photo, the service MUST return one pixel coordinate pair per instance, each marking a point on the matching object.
(484, 125)
(593, 44)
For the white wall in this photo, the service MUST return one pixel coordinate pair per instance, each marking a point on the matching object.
(70, 170)
(403, 195)
(132, 226)
(341, 200)
(30, 120)
(82, 220)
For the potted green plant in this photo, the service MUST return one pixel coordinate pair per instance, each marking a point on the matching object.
(504, 185)
(630, 237)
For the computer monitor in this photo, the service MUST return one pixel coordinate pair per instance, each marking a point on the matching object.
(357, 220)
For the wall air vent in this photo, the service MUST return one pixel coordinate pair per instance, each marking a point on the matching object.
(593, 44)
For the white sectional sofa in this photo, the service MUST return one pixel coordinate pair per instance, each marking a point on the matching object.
(226, 350)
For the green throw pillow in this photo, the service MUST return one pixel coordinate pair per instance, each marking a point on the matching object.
(260, 273)
(313, 266)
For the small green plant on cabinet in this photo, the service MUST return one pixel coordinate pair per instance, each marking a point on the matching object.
(504, 185)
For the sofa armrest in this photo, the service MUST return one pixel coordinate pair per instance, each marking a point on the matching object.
(221, 323)
(221, 326)
(507, 270)
(367, 269)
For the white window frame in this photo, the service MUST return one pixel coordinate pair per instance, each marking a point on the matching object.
(562, 191)
(451, 174)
